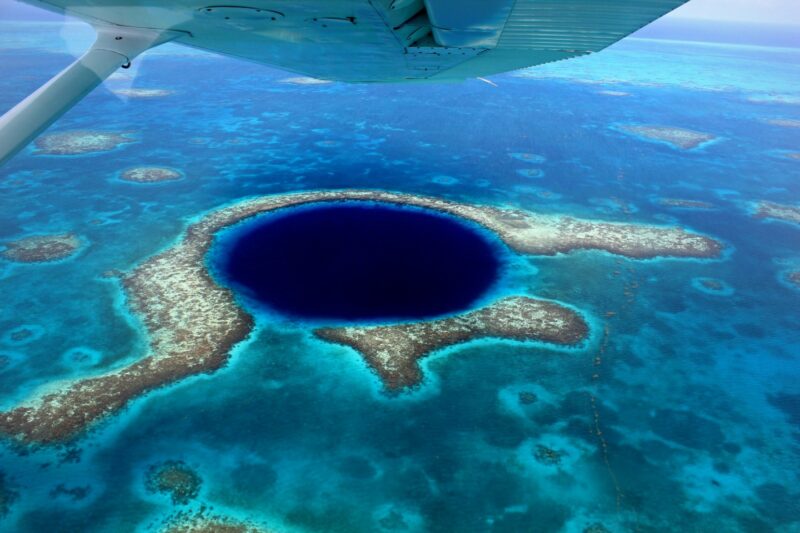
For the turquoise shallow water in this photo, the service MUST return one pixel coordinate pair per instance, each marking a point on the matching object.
(680, 415)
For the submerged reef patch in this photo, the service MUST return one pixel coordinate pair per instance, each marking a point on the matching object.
(41, 248)
(203, 521)
(685, 204)
(80, 142)
(75, 494)
(174, 479)
(22, 335)
(713, 286)
(9, 359)
(142, 93)
(393, 521)
(528, 157)
(775, 211)
(81, 357)
(393, 351)
(192, 322)
(793, 277)
(150, 174)
(8, 495)
(680, 138)
(772, 98)
(304, 80)
(527, 397)
(547, 456)
(530, 172)
(614, 93)
(783, 122)
(443, 179)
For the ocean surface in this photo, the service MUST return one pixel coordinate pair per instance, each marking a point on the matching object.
(682, 413)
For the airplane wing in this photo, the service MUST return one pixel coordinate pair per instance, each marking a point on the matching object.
(345, 40)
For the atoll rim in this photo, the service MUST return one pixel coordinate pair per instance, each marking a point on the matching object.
(193, 322)
(393, 351)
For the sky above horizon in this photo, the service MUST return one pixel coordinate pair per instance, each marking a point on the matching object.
(754, 11)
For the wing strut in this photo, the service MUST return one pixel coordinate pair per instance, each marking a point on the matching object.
(116, 46)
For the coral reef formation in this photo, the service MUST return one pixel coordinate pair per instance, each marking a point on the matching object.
(142, 93)
(686, 204)
(713, 286)
(784, 122)
(175, 479)
(41, 248)
(547, 456)
(203, 521)
(527, 397)
(150, 174)
(676, 137)
(75, 494)
(193, 322)
(80, 142)
(775, 211)
(304, 80)
(393, 351)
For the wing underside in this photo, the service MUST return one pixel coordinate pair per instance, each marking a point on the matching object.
(385, 40)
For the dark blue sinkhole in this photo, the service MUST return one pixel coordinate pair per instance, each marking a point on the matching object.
(359, 262)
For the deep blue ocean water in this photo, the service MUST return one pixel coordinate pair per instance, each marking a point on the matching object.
(358, 262)
(680, 415)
